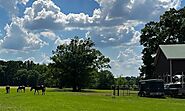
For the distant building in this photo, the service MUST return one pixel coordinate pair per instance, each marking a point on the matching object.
(169, 61)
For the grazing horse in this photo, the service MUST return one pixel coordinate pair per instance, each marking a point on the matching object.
(37, 88)
(20, 88)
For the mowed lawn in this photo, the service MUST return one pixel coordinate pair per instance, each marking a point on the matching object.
(92, 100)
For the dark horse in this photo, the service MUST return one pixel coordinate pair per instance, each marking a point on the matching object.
(7, 89)
(37, 88)
(20, 88)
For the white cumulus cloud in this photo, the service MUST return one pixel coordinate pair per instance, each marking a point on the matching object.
(11, 5)
(127, 62)
(18, 38)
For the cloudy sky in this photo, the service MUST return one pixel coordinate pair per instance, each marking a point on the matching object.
(31, 29)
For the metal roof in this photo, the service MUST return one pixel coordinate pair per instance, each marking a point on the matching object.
(175, 51)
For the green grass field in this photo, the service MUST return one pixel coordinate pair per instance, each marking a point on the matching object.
(92, 100)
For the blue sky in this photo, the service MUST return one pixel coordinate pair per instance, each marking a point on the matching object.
(31, 29)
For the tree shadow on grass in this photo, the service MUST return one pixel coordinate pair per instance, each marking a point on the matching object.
(83, 91)
(155, 97)
(70, 90)
(177, 97)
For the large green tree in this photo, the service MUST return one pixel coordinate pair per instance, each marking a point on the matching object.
(169, 30)
(77, 60)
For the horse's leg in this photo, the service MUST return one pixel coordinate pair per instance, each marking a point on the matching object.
(43, 92)
(38, 92)
(34, 91)
(24, 90)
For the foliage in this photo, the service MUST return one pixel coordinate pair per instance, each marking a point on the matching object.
(169, 30)
(77, 60)
(105, 80)
(53, 77)
(121, 81)
(21, 77)
(33, 77)
(131, 81)
(22, 73)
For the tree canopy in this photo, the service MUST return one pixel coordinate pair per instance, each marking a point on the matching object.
(169, 30)
(77, 60)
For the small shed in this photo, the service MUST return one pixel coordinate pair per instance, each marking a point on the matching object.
(169, 61)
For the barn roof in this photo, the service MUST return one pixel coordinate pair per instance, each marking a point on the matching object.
(175, 51)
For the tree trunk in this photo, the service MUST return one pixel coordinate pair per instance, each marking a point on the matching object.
(79, 88)
(75, 88)
(60, 85)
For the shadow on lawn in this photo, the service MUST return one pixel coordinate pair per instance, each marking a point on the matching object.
(156, 97)
(70, 90)
(93, 92)
(177, 97)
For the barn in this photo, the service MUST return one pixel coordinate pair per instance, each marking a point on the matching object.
(169, 61)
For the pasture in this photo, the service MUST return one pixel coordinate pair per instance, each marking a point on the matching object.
(89, 100)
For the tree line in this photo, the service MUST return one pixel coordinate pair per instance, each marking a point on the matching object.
(28, 73)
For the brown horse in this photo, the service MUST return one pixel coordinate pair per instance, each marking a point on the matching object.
(20, 88)
(37, 88)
